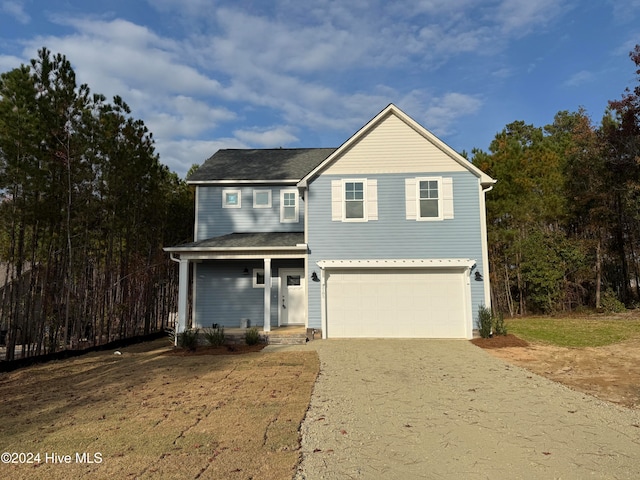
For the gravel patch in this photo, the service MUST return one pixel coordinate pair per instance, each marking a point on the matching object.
(445, 409)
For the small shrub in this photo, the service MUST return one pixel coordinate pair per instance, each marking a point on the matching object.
(215, 337)
(485, 321)
(610, 303)
(499, 327)
(189, 339)
(252, 336)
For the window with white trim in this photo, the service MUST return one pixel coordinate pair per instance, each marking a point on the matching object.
(258, 278)
(231, 199)
(289, 206)
(262, 199)
(354, 200)
(429, 198)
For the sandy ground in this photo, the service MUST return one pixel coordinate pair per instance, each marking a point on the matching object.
(145, 413)
(443, 409)
(610, 373)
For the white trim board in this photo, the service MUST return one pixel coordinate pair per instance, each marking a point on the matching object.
(399, 263)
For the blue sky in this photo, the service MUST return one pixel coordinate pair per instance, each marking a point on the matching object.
(210, 74)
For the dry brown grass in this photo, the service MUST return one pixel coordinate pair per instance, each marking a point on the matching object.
(151, 415)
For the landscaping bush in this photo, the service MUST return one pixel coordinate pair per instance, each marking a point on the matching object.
(485, 320)
(499, 326)
(215, 337)
(252, 336)
(490, 324)
(189, 339)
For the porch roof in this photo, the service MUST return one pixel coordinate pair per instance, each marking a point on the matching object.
(261, 244)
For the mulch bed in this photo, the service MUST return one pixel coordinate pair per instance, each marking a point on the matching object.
(209, 350)
(500, 341)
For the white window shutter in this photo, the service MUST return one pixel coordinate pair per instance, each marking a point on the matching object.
(372, 199)
(447, 198)
(410, 198)
(336, 200)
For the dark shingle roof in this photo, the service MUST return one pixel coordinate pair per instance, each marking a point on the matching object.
(250, 240)
(260, 164)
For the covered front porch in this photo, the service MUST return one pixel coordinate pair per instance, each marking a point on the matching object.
(242, 280)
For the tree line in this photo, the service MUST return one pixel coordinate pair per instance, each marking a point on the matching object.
(564, 217)
(85, 209)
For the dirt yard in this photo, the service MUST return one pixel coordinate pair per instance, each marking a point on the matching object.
(147, 413)
(610, 373)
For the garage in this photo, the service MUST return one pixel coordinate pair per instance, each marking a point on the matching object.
(398, 298)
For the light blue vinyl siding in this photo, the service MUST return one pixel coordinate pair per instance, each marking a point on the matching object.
(212, 220)
(224, 295)
(392, 235)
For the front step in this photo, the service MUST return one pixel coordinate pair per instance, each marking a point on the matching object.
(270, 338)
(286, 339)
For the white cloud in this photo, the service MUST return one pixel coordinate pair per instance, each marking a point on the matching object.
(266, 138)
(9, 62)
(325, 67)
(15, 9)
(186, 117)
(441, 113)
(504, 72)
(181, 154)
(125, 51)
(625, 10)
(519, 17)
(579, 78)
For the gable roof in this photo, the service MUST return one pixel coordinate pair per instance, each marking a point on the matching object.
(391, 109)
(276, 165)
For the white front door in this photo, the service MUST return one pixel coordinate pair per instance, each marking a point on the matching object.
(292, 291)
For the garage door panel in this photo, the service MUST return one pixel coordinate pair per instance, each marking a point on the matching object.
(396, 303)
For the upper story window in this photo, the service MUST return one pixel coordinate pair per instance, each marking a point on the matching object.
(231, 199)
(354, 200)
(289, 206)
(429, 198)
(262, 199)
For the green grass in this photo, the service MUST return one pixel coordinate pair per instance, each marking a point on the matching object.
(587, 331)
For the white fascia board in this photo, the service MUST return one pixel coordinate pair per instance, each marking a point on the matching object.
(399, 263)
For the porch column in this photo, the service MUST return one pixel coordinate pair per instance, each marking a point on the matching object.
(183, 291)
(267, 295)
(323, 303)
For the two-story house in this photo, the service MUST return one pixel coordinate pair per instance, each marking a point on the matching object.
(384, 236)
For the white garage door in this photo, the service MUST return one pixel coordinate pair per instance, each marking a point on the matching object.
(400, 303)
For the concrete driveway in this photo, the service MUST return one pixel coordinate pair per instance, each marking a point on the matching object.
(444, 409)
